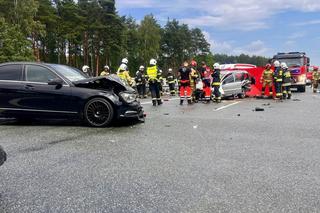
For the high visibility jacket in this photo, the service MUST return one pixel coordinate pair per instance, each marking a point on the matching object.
(286, 77)
(278, 75)
(315, 76)
(216, 79)
(267, 75)
(152, 73)
(193, 75)
(104, 73)
(171, 79)
(125, 77)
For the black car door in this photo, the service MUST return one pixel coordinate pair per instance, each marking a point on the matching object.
(42, 97)
(10, 87)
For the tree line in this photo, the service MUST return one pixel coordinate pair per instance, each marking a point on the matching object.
(91, 32)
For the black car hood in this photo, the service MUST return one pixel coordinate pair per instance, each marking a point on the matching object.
(104, 83)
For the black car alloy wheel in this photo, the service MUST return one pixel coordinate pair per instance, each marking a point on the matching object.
(98, 112)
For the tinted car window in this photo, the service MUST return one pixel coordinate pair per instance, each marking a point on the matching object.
(228, 79)
(11, 72)
(39, 74)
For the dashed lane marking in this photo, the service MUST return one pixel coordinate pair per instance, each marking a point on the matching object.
(227, 106)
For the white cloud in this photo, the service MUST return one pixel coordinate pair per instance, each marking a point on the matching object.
(311, 22)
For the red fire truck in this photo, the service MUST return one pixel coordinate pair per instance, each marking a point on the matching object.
(298, 64)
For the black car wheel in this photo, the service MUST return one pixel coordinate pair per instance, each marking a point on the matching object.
(98, 112)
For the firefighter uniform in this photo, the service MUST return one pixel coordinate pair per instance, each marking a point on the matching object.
(171, 79)
(160, 82)
(266, 79)
(315, 80)
(193, 77)
(185, 87)
(125, 77)
(206, 78)
(152, 75)
(278, 78)
(141, 84)
(216, 82)
(286, 84)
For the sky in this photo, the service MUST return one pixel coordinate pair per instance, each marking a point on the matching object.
(254, 27)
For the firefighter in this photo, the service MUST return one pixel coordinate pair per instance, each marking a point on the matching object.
(266, 80)
(278, 78)
(315, 79)
(152, 75)
(171, 79)
(123, 74)
(185, 88)
(86, 70)
(160, 81)
(141, 82)
(205, 72)
(216, 82)
(106, 71)
(193, 78)
(286, 82)
(124, 61)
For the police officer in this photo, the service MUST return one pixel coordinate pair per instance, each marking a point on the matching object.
(286, 83)
(266, 80)
(171, 79)
(123, 74)
(185, 87)
(141, 82)
(278, 78)
(216, 82)
(315, 79)
(106, 71)
(152, 75)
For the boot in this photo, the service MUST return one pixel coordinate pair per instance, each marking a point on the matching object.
(189, 102)
(154, 102)
(159, 102)
(284, 97)
(181, 102)
(289, 96)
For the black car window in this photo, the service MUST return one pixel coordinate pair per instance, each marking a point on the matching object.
(11, 72)
(239, 77)
(228, 79)
(39, 74)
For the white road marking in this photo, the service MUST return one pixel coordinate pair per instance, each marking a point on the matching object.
(150, 102)
(226, 106)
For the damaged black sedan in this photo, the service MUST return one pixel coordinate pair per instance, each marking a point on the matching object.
(38, 90)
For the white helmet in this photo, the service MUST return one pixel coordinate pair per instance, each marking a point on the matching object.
(141, 67)
(106, 67)
(284, 65)
(85, 68)
(124, 61)
(216, 66)
(123, 67)
(153, 62)
(170, 70)
(276, 64)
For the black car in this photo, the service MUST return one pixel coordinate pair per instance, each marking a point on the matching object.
(3, 156)
(39, 90)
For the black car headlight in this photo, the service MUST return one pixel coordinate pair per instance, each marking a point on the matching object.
(128, 97)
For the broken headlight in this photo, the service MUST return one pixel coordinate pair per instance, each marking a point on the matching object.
(128, 97)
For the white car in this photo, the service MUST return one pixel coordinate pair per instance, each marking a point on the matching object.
(235, 83)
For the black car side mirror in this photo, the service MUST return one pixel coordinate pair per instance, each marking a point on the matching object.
(56, 82)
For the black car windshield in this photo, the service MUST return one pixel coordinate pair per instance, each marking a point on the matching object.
(72, 74)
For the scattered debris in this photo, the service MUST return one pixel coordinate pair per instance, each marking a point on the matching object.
(268, 104)
(258, 109)
(166, 114)
(296, 99)
(195, 127)
(239, 115)
(167, 125)
(112, 141)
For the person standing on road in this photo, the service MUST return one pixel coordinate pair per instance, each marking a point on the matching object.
(266, 80)
(286, 83)
(315, 79)
(185, 88)
(124, 61)
(205, 72)
(278, 76)
(160, 82)
(141, 82)
(171, 79)
(193, 78)
(216, 82)
(123, 74)
(152, 75)
(106, 71)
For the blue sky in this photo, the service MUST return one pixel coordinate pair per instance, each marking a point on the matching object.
(255, 27)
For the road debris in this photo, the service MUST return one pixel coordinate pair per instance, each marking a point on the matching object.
(258, 109)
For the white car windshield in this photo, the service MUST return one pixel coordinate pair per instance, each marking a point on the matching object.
(72, 74)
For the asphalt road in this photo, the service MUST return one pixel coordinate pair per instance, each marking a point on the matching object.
(200, 158)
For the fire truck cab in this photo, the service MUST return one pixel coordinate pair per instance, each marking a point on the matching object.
(298, 64)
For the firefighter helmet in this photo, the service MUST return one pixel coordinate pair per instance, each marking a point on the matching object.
(141, 67)
(106, 67)
(153, 62)
(124, 61)
(169, 70)
(268, 66)
(276, 64)
(315, 68)
(194, 63)
(284, 65)
(216, 66)
(85, 68)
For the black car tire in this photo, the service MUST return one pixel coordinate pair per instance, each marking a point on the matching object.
(242, 95)
(3, 156)
(98, 112)
(302, 89)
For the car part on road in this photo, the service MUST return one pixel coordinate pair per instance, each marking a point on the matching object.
(258, 109)
(3, 156)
